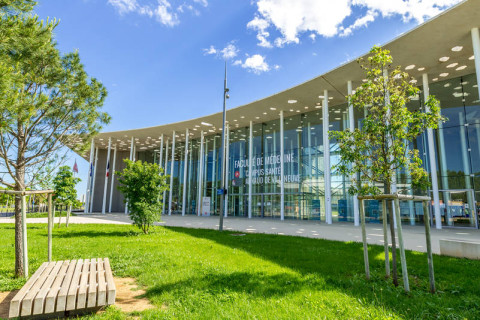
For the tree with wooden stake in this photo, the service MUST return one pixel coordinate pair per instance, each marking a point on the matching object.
(65, 192)
(374, 152)
(47, 102)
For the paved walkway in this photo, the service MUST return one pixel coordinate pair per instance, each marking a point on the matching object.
(414, 235)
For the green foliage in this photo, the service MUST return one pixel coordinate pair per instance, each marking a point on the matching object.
(47, 99)
(204, 274)
(143, 185)
(64, 186)
(16, 6)
(382, 144)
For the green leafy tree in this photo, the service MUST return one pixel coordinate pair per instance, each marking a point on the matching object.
(143, 188)
(380, 147)
(47, 101)
(65, 192)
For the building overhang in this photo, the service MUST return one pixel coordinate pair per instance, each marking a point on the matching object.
(418, 51)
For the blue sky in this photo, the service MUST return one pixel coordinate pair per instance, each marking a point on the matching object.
(162, 60)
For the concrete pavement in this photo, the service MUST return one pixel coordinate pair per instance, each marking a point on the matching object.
(414, 235)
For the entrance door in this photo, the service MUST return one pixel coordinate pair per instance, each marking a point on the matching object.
(266, 205)
(457, 208)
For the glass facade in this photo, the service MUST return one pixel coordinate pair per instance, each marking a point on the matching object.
(457, 156)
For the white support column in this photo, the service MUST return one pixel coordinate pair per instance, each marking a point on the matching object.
(113, 178)
(185, 168)
(282, 169)
(172, 164)
(107, 168)
(250, 160)
(200, 176)
(309, 148)
(166, 167)
(433, 163)
(132, 147)
(466, 162)
(476, 53)
(89, 179)
(442, 157)
(94, 176)
(326, 160)
(356, 214)
(214, 174)
(160, 158)
(227, 167)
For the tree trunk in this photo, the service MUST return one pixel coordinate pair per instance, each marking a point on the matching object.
(392, 232)
(68, 214)
(19, 186)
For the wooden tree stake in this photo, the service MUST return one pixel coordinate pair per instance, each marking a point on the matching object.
(385, 239)
(403, 260)
(364, 239)
(426, 221)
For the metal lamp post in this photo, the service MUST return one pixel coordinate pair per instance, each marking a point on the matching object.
(223, 190)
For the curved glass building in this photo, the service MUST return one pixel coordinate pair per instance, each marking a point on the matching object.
(279, 157)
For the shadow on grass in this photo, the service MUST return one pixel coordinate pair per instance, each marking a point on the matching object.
(252, 283)
(67, 233)
(339, 266)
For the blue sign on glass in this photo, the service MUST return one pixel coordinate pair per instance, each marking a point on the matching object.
(220, 192)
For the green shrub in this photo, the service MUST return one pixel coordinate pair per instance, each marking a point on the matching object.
(143, 185)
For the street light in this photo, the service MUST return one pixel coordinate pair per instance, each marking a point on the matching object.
(223, 190)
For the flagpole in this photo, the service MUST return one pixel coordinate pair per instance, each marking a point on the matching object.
(89, 178)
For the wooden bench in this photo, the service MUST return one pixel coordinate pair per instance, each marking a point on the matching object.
(64, 286)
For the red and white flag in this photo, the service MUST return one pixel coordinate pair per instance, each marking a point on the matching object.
(75, 167)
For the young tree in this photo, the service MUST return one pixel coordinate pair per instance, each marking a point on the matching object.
(143, 188)
(65, 192)
(380, 147)
(47, 101)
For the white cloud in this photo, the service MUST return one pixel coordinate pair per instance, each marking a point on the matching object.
(124, 6)
(256, 64)
(260, 25)
(164, 15)
(327, 18)
(160, 10)
(202, 2)
(210, 50)
(360, 22)
(229, 52)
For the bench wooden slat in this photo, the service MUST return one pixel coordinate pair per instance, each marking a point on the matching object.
(50, 300)
(92, 285)
(16, 301)
(111, 290)
(27, 301)
(38, 302)
(102, 286)
(65, 285)
(82, 288)
(72, 288)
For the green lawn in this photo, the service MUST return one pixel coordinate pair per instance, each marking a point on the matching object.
(204, 274)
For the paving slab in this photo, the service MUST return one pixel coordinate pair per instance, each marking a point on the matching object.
(340, 231)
